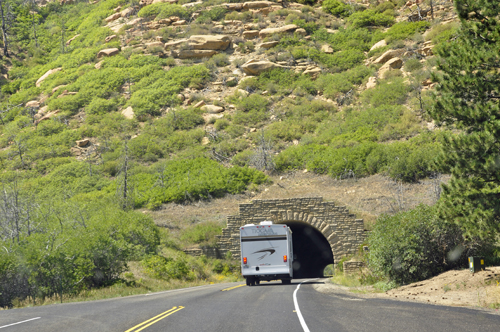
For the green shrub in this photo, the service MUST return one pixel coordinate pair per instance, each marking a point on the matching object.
(335, 7)
(442, 32)
(213, 14)
(416, 245)
(202, 234)
(163, 10)
(370, 18)
(101, 106)
(403, 30)
(388, 92)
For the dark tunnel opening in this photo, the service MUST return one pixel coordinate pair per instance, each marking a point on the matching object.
(311, 250)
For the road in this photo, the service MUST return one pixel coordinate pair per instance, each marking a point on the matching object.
(236, 307)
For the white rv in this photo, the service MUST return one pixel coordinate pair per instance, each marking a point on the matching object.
(266, 252)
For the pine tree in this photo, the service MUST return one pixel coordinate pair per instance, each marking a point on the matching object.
(468, 99)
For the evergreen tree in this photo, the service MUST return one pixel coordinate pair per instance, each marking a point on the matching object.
(468, 100)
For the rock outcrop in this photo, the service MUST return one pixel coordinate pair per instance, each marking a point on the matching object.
(47, 74)
(255, 67)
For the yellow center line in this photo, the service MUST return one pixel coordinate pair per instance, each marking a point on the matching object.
(230, 288)
(155, 319)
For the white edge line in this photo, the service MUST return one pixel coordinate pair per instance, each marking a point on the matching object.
(24, 321)
(181, 289)
(297, 309)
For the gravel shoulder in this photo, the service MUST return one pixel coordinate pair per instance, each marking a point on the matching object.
(459, 288)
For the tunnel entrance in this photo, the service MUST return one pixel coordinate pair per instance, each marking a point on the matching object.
(311, 250)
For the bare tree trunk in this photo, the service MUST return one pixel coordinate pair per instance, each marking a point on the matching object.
(34, 29)
(4, 30)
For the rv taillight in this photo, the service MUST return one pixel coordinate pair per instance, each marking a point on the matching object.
(244, 260)
(285, 259)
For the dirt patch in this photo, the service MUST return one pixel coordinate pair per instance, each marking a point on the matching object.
(452, 288)
(366, 197)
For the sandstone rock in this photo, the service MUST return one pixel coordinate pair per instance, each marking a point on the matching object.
(108, 52)
(254, 67)
(46, 117)
(269, 44)
(117, 9)
(58, 87)
(69, 41)
(326, 49)
(135, 21)
(242, 92)
(193, 54)
(209, 42)
(192, 4)
(301, 32)
(47, 74)
(331, 31)
(212, 109)
(110, 38)
(372, 82)
(257, 4)
(250, 34)
(83, 142)
(313, 72)
(427, 82)
(154, 44)
(284, 29)
(178, 23)
(233, 6)
(181, 97)
(128, 113)
(380, 44)
(199, 104)
(160, 39)
(251, 26)
(99, 64)
(32, 103)
(174, 43)
(388, 56)
(205, 140)
(67, 93)
(243, 79)
(113, 17)
(231, 81)
(392, 64)
(127, 12)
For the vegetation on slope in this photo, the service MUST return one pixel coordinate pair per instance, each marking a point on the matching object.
(54, 200)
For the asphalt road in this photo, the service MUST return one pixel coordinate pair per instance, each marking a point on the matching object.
(236, 307)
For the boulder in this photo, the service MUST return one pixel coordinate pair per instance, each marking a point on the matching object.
(47, 74)
(372, 82)
(209, 42)
(250, 34)
(388, 56)
(212, 109)
(135, 21)
(83, 142)
(269, 44)
(284, 29)
(254, 67)
(128, 112)
(199, 104)
(33, 104)
(174, 43)
(154, 44)
(99, 64)
(127, 12)
(232, 6)
(257, 4)
(380, 44)
(393, 64)
(110, 38)
(193, 54)
(46, 117)
(178, 23)
(69, 41)
(301, 32)
(313, 72)
(326, 49)
(108, 52)
(58, 87)
(113, 17)
(192, 4)
(242, 92)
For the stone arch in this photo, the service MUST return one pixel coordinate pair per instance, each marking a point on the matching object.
(341, 229)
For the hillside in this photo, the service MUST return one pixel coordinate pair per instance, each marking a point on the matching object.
(115, 111)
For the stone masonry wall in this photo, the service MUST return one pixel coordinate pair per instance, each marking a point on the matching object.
(344, 233)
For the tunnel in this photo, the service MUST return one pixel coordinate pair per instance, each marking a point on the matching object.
(311, 250)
